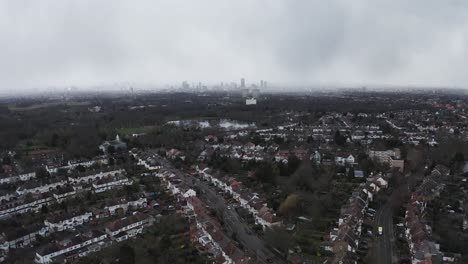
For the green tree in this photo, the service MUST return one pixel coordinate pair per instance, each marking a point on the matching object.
(42, 173)
(62, 172)
(293, 163)
(126, 254)
(6, 160)
(111, 150)
(266, 172)
(165, 243)
(80, 168)
(279, 239)
(44, 210)
(339, 139)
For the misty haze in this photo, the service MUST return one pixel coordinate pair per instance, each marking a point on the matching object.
(234, 132)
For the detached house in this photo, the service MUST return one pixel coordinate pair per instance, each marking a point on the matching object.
(342, 161)
(114, 145)
(175, 153)
(282, 156)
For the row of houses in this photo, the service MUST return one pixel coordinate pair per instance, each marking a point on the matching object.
(23, 205)
(32, 198)
(418, 232)
(300, 153)
(38, 187)
(146, 159)
(247, 199)
(61, 221)
(209, 235)
(207, 231)
(343, 239)
(22, 236)
(420, 126)
(7, 179)
(81, 244)
(235, 150)
(72, 164)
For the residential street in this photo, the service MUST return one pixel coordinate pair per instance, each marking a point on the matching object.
(383, 245)
(234, 224)
(247, 237)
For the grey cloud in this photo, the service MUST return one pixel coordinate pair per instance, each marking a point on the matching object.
(84, 43)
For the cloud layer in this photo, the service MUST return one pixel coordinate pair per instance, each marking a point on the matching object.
(87, 42)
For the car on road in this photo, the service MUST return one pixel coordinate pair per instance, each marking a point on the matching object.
(361, 252)
(380, 231)
(363, 248)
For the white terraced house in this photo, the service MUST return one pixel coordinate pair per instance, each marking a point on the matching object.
(246, 200)
(21, 207)
(140, 203)
(21, 237)
(73, 164)
(65, 194)
(95, 177)
(6, 197)
(88, 163)
(20, 177)
(127, 227)
(108, 184)
(40, 189)
(80, 242)
(65, 222)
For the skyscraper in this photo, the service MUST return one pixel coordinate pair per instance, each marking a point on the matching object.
(185, 85)
(242, 83)
(255, 93)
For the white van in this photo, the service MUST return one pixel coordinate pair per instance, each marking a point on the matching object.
(380, 230)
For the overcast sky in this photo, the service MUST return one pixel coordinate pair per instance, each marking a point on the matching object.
(84, 43)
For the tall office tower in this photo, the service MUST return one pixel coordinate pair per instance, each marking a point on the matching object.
(185, 85)
(242, 83)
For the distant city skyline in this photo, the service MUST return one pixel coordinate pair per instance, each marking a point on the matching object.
(86, 44)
